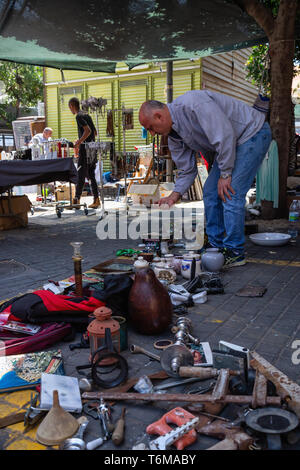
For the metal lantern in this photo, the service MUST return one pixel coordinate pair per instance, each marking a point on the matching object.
(96, 330)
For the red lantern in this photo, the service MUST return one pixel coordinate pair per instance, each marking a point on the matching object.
(96, 331)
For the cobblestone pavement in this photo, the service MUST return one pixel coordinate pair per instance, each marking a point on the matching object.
(269, 324)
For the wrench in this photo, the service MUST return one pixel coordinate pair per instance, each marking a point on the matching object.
(134, 349)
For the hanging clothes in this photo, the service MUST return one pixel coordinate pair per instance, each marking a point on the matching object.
(267, 178)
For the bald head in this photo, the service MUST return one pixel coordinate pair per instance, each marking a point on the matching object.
(155, 117)
(47, 132)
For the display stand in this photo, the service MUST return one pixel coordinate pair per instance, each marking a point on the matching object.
(59, 207)
(51, 150)
(95, 151)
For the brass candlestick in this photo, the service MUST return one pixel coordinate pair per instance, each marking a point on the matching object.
(77, 258)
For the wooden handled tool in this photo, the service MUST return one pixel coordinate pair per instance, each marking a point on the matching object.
(118, 434)
(202, 372)
(12, 419)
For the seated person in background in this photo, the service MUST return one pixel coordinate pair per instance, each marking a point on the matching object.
(44, 136)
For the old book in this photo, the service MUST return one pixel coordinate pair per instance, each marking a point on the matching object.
(25, 370)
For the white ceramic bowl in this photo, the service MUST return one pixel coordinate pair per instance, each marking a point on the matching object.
(270, 238)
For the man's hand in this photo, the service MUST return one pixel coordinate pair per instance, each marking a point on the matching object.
(77, 143)
(224, 188)
(170, 200)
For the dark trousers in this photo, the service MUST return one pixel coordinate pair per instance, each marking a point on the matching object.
(86, 170)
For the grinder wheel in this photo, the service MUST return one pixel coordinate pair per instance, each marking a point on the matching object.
(175, 351)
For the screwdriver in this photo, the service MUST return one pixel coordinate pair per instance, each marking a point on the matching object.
(118, 434)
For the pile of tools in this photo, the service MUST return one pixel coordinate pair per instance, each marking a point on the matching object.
(268, 402)
(262, 417)
(242, 400)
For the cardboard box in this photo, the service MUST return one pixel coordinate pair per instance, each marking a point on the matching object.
(63, 192)
(148, 194)
(165, 189)
(14, 215)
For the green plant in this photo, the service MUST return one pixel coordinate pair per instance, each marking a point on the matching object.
(22, 87)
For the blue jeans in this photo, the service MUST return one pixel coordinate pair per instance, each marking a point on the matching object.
(225, 221)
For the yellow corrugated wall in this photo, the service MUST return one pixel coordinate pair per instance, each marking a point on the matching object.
(52, 110)
(132, 93)
(68, 126)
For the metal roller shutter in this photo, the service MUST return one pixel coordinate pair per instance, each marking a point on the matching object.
(68, 127)
(132, 94)
(52, 111)
(158, 90)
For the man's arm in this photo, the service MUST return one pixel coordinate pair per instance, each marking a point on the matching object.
(185, 161)
(86, 133)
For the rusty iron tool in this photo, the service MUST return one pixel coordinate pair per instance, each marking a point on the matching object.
(118, 434)
(221, 387)
(125, 387)
(182, 397)
(259, 393)
(134, 349)
(232, 439)
(286, 388)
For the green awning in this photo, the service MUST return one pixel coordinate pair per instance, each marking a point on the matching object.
(96, 35)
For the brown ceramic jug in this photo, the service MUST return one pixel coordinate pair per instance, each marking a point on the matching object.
(149, 305)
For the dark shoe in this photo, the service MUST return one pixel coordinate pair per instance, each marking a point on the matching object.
(233, 259)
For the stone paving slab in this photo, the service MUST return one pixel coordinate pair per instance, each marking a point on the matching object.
(268, 324)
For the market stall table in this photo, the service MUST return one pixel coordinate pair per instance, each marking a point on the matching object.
(28, 172)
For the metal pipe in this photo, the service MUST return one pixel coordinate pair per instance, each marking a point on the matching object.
(182, 397)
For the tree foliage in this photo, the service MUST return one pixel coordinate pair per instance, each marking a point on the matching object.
(257, 66)
(22, 87)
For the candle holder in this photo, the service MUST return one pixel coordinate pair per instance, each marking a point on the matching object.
(77, 258)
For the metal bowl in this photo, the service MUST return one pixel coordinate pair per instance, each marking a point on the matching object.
(270, 238)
